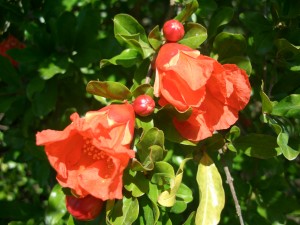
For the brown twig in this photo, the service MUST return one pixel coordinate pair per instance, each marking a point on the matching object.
(229, 180)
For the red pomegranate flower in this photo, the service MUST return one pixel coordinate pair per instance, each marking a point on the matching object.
(91, 153)
(186, 79)
(10, 43)
(87, 208)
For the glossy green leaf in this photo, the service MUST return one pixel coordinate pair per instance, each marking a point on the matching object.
(195, 35)
(257, 145)
(163, 120)
(184, 195)
(221, 17)
(283, 141)
(163, 173)
(212, 196)
(108, 89)
(56, 208)
(155, 38)
(187, 11)
(127, 58)
(284, 45)
(167, 198)
(143, 89)
(288, 107)
(227, 45)
(191, 219)
(135, 182)
(134, 41)
(150, 210)
(267, 105)
(233, 134)
(124, 211)
(241, 61)
(126, 25)
(150, 149)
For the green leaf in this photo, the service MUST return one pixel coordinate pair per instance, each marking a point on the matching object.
(195, 35)
(288, 107)
(184, 195)
(126, 25)
(135, 182)
(267, 105)
(124, 212)
(283, 141)
(221, 17)
(212, 197)
(241, 61)
(155, 38)
(8, 73)
(163, 120)
(284, 45)
(260, 146)
(56, 208)
(191, 219)
(150, 149)
(163, 173)
(228, 45)
(126, 58)
(233, 134)
(143, 89)
(167, 198)
(187, 11)
(151, 211)
(44, 102)
(256, 22)
(49, 70)
(213, 143)
(108, 89)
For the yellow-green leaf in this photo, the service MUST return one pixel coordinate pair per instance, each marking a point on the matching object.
(212, 197)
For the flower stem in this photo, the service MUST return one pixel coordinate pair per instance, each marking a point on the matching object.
(229, 180)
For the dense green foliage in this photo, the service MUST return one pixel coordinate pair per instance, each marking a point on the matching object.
(65, 41)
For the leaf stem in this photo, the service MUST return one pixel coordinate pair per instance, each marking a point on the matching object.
(229, 180)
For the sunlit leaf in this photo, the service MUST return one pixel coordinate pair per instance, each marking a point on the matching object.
(288, 107)
(108, 89)
(56, 208)
(228, 45)
(195, 35)
(155, 38)
(167, 198)
(124, 211)
(212, 196)
(127, 58)
(187, 11)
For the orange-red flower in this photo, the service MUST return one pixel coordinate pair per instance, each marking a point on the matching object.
(10, 43)
(87, 208)
(91, 153)
(186, 79)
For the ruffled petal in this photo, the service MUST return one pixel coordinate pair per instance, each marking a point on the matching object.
(194, 128)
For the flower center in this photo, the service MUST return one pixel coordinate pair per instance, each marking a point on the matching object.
(92, 151)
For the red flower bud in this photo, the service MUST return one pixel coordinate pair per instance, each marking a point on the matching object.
(173, 30)
(143, 105)
(87, 208)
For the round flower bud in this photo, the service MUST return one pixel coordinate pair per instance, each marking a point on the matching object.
(87, 208)
(143, 105)
(173, 30)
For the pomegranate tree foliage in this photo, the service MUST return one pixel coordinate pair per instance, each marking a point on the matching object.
(58, 73)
